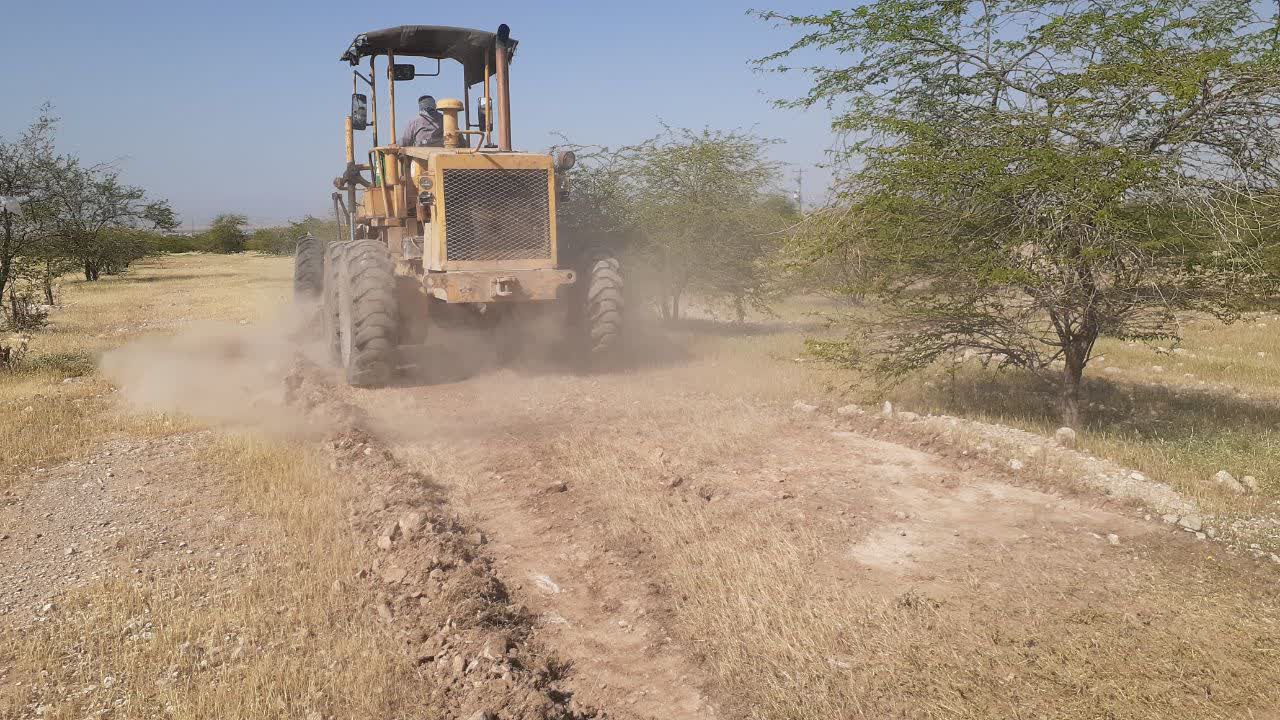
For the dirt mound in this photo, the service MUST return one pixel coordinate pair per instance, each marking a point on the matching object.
(433, 585)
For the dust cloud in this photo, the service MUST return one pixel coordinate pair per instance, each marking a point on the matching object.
(226, 373)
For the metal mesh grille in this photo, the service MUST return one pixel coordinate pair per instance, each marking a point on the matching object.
(496, 214)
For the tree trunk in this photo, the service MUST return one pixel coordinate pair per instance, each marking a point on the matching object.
(91, 270)
(6, 266)
(48, 282)
(1069, 402)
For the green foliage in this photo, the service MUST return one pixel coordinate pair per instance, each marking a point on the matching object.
(163, 243)
(693, 207)
(1025, 175)
(226, 234)
(282, 240)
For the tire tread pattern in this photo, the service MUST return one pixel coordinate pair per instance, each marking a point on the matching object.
(374, 315)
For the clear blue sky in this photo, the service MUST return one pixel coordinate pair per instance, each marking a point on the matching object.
(238, 106)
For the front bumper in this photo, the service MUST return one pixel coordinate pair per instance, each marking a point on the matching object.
(485, 286)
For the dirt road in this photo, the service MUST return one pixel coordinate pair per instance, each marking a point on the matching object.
(675, 538)
(699, 547)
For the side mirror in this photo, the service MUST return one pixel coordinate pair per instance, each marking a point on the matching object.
(482, 114)
(401, 73)
(359, 112)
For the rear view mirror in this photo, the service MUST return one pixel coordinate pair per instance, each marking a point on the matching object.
(401, 73)
(359, 112)
(482, 114)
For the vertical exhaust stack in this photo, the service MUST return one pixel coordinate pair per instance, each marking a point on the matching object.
(503, 53)
(449, 108)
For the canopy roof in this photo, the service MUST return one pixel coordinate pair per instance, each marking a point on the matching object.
(469, 47)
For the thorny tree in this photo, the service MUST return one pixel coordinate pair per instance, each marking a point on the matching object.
(1030, 173)
(95, 214)
(700, 201)
(24, 168)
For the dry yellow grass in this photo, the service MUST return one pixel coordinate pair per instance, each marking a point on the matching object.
(279, 636)
(44, 419)
(266, 633)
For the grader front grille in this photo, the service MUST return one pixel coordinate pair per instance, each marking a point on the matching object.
(495, 215)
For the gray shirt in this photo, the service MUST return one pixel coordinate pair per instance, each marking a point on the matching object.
(426, 130)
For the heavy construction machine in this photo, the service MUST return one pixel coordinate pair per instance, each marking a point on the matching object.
(462, 234)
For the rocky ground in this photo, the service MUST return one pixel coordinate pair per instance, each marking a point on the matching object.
(681, 538)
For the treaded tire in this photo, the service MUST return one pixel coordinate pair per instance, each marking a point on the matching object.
(308, 269)
(604, 304)
(368, 315)
(334, 257)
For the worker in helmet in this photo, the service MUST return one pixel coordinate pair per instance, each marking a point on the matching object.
(426, 130)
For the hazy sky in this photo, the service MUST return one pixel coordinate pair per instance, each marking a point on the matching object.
(238, 106)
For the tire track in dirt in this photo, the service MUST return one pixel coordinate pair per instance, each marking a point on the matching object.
(907, 518)
(590, 607)
(435, 583)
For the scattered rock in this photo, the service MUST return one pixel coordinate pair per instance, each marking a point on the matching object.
(1113, 539)
(394, 575)
(801, 406)
(887, 409)
(908, 416)
(849, 411)
(410, 523)
(1191, 522)
(558, 486)
(1226, 480)
(1016, 464)
(546, 584)
(1065, 436)
(482, 715)
(1250, 482)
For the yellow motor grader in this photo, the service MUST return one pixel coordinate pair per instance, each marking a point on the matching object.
(460, 233)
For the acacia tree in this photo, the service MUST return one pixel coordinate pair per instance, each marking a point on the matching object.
(24, 169)
(95, 214)
(226, 233)
(1027, 174)
(699, 200)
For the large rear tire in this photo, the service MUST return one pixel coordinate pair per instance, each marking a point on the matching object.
(308, 269)
(604, 304)
(368, 315)
(334, 256)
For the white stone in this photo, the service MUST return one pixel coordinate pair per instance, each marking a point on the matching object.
(887, 409)
(1015, 464)
(1191, 522)
(1111, 370)
(849, 411)
(1065, 437)
(1225, 479)
(801, 406)
(1250, 482)
(1113, 539)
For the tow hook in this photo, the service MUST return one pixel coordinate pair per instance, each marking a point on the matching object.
(504, 286)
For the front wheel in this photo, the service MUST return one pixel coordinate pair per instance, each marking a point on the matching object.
(335, 254)
(368, 314)
(308, 269)
(604, 304)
